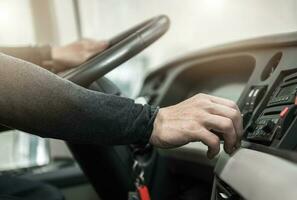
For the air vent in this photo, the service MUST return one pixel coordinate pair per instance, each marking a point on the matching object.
(271, 66)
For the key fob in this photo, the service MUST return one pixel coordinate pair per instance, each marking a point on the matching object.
(143, 192)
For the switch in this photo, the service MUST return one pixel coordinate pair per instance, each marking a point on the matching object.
(268, 128)
(284, 112)
(287, 116)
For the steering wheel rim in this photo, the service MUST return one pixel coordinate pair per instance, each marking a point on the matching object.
(122, 48)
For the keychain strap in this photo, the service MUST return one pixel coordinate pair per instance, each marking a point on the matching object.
(141, 188)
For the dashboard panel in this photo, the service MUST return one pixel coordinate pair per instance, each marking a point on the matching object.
(262, 79)
(263, 75)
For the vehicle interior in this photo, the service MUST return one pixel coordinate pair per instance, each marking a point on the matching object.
(254, 65)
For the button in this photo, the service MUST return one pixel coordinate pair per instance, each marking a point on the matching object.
(268, 128)
(256, 92)
(251, 92)
(284, 112)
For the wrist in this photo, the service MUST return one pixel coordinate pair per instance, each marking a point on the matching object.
(157, 126)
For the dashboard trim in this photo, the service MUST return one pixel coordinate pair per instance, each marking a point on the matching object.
(257, 175)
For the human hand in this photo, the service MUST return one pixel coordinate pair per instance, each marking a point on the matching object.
(74, 54)
(200, 118)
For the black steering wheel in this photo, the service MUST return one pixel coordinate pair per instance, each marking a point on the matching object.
(122, 48)
(109, 168)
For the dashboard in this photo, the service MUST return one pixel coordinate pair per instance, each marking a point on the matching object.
(219, 76)
(261, 76)
(263, 81)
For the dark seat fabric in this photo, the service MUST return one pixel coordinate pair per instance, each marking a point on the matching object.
(14, 188)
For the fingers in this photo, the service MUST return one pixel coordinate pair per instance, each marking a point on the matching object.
(230, 113)
(219, 100)
(236, 116)
(91, 48)
(94, 46)
(211, 140)
(224, 126)
(99, 46)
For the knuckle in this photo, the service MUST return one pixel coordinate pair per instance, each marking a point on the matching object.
(209, 107)
(233, 105)
(191, 125)
(200, 96)
(227, 125)
(202, 103)
(203, 117)
(235, 114)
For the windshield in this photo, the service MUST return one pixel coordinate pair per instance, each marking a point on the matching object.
(195, 24)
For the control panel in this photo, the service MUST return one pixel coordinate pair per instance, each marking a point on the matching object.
(277, 115)
(254, 97)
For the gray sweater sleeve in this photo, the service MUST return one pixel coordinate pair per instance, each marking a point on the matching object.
(37, 101)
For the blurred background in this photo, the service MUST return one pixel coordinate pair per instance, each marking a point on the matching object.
(195, 24)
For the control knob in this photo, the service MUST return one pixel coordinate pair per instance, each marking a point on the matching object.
(269, 126)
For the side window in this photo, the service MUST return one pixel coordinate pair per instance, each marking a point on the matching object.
(22, 150)
(11, 12)
(19, 149)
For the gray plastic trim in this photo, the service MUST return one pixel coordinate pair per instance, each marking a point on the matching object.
(258, 176)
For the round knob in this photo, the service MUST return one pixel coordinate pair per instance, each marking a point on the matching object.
(268, 128)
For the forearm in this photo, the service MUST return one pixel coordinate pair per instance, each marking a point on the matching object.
(37, 101)
(39, 55)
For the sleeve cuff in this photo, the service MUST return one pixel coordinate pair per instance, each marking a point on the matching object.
(153, 111)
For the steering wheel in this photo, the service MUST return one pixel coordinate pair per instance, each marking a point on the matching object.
(109, 168)
(122, 48)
